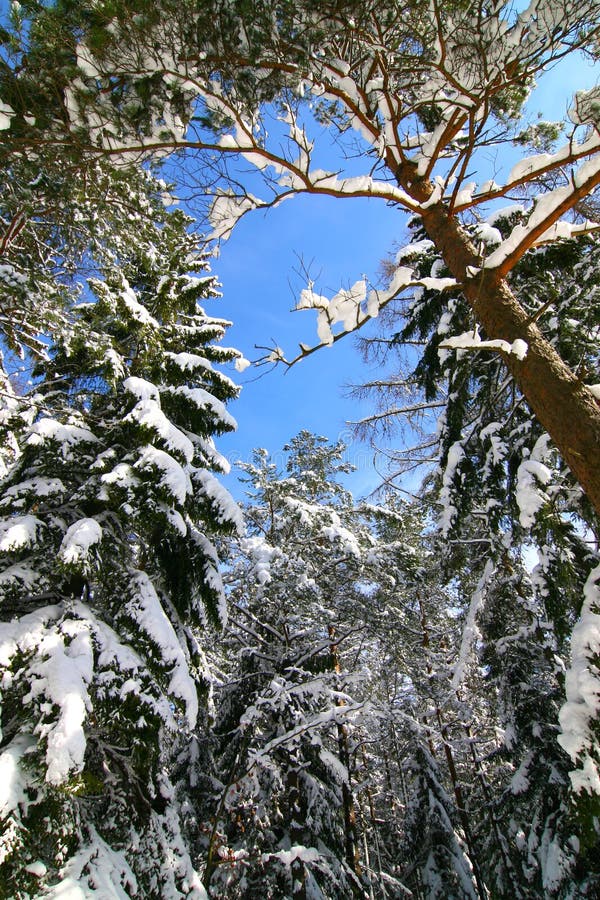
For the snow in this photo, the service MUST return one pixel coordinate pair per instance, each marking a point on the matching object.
(448, 513)
(487, 233)
(582, 685)
(498, 447)
(226, 211)
(122, 475)
(136, 310)
(528, 166)
(13, 778)
(202, 399)
(37, 868)
(172, 475)
(586, 108)
(347, 307)
(595, 390)
(66, 435)
(465, 196)
(147, 611)
(19, 532)
(69, 889)
(142, 389)
(520, 782)
(6, 114)
(470, 340)
(547, 206)
(519, 348)
(334, 763)
(241, 364)
(60, 672)
(96, 870)
(175, 518)
(148, 414)
(189, 362)
(556, 866)
(75, 547)
(297, 851)
(40, 487)
(532, 473)
(336, 532)
(343, 308)
(505, 212)
(261, 553)
(470, 631)
(11, 276)
(436, 284)
(227, 510)
(416, 248)
(211, 573)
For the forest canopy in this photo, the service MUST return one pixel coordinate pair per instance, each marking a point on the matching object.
(310, 695)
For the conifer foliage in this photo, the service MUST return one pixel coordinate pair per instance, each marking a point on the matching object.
(405, 699)
(502, 497)
(286, 710)
(109, 568)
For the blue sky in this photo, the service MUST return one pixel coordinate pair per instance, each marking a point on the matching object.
(339, 240)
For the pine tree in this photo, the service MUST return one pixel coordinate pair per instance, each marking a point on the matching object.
(417, 94)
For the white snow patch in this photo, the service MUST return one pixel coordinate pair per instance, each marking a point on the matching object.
(582, 685)
(136, 310)
(448, 513)
(37, 868)
(18, 532)
(471, 340)
(297, 851)
(228, 510)
(41, 487)
(202, 399)
(172, 475)
(470, 631)
(142, 389)
(334, 763)
(531, 474)
(487, 233)
(148, 414)
(6, 114)
(189, 362)
(241, 364)
(66, 435)
(75, 546)
(148, 612)
(261, 553)
(13, 778)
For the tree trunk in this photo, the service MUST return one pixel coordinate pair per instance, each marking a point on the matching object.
(562, 404)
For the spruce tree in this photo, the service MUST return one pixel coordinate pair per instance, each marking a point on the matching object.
(288, 712)
(110, 573)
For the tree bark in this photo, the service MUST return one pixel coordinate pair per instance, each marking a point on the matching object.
(563, 405)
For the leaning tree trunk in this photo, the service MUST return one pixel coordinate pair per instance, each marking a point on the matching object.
(562, 404)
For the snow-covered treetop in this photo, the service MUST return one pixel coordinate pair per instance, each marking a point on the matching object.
(413, 96)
